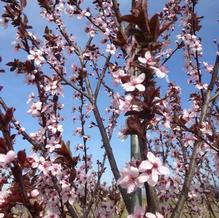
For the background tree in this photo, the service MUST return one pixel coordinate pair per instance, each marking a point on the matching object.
(122, 68)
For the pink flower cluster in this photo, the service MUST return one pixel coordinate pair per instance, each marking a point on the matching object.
(44, 192)
(133, 176)
(140, 213)
(191, 42)
(150, 62)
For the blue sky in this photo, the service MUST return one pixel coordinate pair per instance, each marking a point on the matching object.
(15, 92)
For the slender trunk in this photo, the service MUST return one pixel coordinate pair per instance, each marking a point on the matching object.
(136, 155)
(127, 198)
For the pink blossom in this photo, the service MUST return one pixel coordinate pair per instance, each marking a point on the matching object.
(147, 59)
(111, 49)
(7, 158)
(208, 67)
(53, 144)
(160, 72)
(3, 195)
(138, 213)
(35, 109)
(135, 83)
(54, 87)
(124, 104)
(156, 215)
(41, 164)
(34, 193)
(36, 56)
(78, 131)
(150, 170)
(84, 13)
(206, 129)
(118, 74)
(192, 43)
(54, 128)
(128, 178)
(122, 134)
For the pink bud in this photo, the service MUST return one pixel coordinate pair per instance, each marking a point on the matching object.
(34, 193)
(10, 156)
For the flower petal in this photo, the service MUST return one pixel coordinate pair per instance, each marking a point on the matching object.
(159, 215)
(148, 55)
(140, 87)
(163, 170)
(145, 165)
(151, 182)
(2, 158)
(151, 157)
(150, 215)
(10, 156)
(128, 87)
(142, 60)
(134, 171)
(122, 181)
(154, 176)
(143, 178)
(140, 78)
(158, 72)
(131, 188)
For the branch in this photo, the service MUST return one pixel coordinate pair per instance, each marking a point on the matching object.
(100, 79)
(192, 165)
(95, 191)
(100, 173)
(70, 208)
(111, 158)
(18, 127)
(16, 169)
(213, 98)
(117, 16)
(173, 52)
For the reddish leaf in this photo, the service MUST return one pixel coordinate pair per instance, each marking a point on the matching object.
(28, 67)
(14, 65)
(125, 79)
(142, 7)
(2, 142)
(2, 146)
(8, 116)
(138, 17)
(134, 126)
(73, 174)
(194, 21)
(130, 19)
(64, 150)
(120, 40)
(21, 156)
(166, 26)
(155, 26)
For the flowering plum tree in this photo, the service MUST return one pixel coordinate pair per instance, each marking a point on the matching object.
(126, 61)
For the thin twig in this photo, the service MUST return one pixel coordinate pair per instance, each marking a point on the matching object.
(100, 79)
